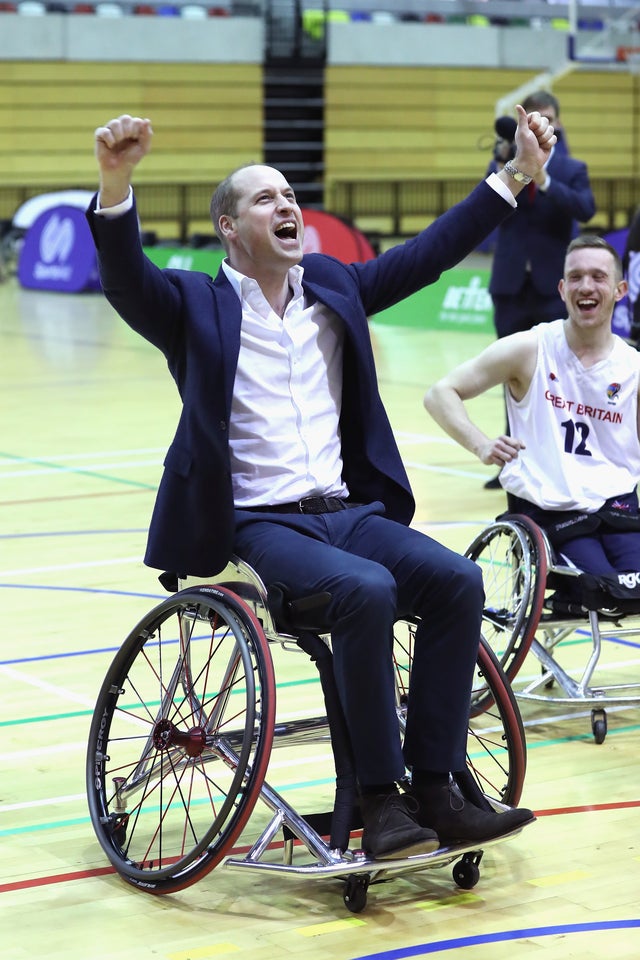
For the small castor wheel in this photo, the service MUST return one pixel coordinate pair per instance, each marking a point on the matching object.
(599, 725)
(466, 872)
(355, 893)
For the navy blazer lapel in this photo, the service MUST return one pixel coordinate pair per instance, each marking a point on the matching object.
(339, 303)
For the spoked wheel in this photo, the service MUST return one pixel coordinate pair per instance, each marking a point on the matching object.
(180, 739)
(512, 556)
(496, 744)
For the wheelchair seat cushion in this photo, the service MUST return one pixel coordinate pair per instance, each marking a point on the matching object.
(623, 589)
(618, 513)
(609, 595)
(306, 613)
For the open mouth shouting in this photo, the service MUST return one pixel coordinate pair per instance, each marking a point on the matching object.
(287, 231)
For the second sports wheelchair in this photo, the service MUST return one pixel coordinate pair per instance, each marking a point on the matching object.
(535, 600)
(184, 726)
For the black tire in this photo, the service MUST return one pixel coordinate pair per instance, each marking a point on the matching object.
(180, 739)
(496, 743)
(512, 556)
(599, 725)
(466, 874)
(355, 892)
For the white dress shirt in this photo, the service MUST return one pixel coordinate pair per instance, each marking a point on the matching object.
(284, 432)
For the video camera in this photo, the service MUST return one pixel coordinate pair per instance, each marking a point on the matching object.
(504, 147)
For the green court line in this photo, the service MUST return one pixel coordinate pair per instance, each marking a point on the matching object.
(76, 821)
(580, 736)
(78, 471)
(72, 714)
(304, 784)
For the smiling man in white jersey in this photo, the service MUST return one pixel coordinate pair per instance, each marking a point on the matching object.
(572, 462)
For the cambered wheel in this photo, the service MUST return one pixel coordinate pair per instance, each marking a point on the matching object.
(180, 739)
(513, 558)
(496, 744)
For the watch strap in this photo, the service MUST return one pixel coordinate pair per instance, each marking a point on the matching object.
(518, 175)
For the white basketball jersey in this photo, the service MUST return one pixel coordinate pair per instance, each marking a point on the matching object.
(579, 426)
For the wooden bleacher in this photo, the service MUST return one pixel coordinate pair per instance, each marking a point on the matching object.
(401, 143)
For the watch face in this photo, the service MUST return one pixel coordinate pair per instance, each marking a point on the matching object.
(517, 174)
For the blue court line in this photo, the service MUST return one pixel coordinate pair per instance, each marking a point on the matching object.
(110, 591)
(75, 653)
(456, 943)
(69, 533)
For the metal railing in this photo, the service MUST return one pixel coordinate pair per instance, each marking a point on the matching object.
(396, 204)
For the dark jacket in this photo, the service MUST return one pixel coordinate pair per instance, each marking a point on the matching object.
(631, 264)
(195, 321)
(540, 230)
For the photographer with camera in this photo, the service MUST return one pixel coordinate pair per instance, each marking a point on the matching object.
(531, 244)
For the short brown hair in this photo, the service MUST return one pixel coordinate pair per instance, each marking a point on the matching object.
(593, 241)
(539, 100)
(224, 202)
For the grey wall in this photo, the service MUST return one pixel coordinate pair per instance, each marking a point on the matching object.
(59, 36)
(440, 44)
(241, 40)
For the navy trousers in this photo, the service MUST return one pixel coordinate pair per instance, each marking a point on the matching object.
(604, 550)
(605, 553)
(377, 570)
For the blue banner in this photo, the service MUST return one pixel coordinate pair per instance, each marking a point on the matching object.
(58, 253)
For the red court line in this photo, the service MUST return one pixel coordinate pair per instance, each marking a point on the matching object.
(75, 496)
(56, 878)
(587, 807)
(104, 871)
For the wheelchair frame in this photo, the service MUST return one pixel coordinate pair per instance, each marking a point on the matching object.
(183, 729)
(520, 569)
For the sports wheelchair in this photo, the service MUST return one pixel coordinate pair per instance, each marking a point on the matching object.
(184, 726)
(535, 600)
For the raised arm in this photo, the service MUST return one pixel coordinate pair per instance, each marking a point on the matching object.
(509, 361)
(119, 147)
(534, 140)
(146, 297)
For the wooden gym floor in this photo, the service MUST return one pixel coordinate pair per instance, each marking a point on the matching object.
(88, 410)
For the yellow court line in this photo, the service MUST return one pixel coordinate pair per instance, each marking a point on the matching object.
(202, 953)
(333, 926)
(556, 879)
(457, 900)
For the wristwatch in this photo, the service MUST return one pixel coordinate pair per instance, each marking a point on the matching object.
(516, 174)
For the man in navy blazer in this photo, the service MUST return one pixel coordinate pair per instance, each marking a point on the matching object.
(530, 248)
(284, 455)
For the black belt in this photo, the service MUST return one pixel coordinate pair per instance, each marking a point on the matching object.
(313, 505)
